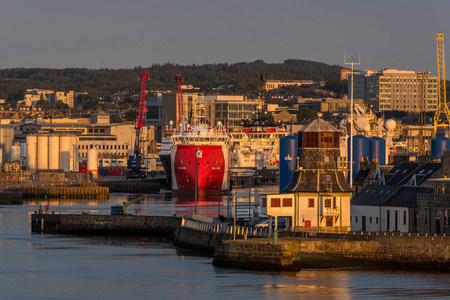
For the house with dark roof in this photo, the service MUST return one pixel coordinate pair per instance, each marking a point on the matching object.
(389, 202)
(434, 210)
(318, 196)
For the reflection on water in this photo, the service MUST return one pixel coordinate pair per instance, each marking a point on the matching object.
(35, 266)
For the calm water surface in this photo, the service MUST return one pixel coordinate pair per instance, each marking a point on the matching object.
(35, 266)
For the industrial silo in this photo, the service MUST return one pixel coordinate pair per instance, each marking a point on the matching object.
(15, 152)
(32, 152)
(53, 152)
(288, 159)
(438, 145)
(42, 152)
(92, 161)
(377, 147)
(64, 153)
(361, 149)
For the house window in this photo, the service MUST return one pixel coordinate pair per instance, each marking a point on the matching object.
(329, 221)
(334, 202)
(356, 219)
(370, 220)
(376, 220)
(404, 218)
(287, 202)
(275, 202)
(327, 202)
(311, 202)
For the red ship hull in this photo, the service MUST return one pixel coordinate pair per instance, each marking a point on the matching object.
(212, 165)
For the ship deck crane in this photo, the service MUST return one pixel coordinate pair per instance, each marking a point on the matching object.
(178, 80)
(442, 115)
(135, 163)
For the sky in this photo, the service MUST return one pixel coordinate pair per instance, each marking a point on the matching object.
(397, 34)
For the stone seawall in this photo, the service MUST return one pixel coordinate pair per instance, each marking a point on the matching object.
(415, 252)
(105, 224)
(256, 254)
(408, 252)
(196, 240)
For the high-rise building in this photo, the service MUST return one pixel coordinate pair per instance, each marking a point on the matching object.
(399, 90)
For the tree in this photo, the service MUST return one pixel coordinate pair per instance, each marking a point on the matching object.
(131, 115)
(305, 113)
(61, 105)
(43, 104)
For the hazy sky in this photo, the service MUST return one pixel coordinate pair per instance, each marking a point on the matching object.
(127, 33)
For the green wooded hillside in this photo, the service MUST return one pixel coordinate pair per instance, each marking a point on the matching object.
(241, 78)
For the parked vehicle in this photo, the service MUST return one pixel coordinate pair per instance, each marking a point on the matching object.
(257, 221)
(265, 223)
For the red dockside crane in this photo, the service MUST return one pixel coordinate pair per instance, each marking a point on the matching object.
(135, 163)
(178, 79)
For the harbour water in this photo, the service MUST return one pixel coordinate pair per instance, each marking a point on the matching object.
(35, 266)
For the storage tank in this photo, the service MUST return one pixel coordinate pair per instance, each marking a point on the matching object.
(438, 145)
(15, 152)
(92, 161)
(64, 153)
(360, 149)
(377, 147)
(32, 152)
(42, 152)
(53, 152)
(288, 160)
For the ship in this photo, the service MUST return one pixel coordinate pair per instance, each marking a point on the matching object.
(164, 154)
(256, 148)
(200, 157)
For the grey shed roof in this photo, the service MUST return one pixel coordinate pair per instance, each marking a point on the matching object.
(374, 195)
(399, 174)
(319, 125)
(407, 196)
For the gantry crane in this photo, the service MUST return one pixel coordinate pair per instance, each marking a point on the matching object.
(178, 79)
(442, 115)
(135, 164)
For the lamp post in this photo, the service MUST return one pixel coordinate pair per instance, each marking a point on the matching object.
(249, 197)
(234, 218)
(196, 179)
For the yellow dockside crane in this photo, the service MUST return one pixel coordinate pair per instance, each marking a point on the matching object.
(442, 115)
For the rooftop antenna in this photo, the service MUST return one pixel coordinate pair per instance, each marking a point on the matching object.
(352, 62)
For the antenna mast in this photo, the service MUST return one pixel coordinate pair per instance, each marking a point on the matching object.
(352, 62)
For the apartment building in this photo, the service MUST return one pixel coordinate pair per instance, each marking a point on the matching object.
(400, 90)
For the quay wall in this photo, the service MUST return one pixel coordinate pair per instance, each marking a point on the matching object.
(131, 186)
(64, 192)
(11, 197)
(256, 255)
(426, 253)
(197, 240)
(105, 224)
